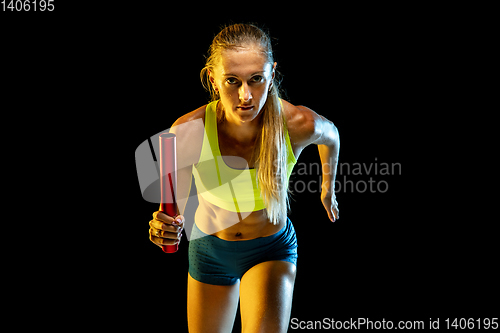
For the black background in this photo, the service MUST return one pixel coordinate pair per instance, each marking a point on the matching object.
(103, 80)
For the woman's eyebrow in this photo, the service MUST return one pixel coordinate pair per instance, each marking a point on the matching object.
(230, 74)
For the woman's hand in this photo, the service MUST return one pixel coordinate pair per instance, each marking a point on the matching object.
(330, 202)
(165, 230)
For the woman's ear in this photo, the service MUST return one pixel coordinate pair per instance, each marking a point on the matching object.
(212, 80)
(272, 76)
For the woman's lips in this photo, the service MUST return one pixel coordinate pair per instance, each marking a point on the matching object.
(245, 107)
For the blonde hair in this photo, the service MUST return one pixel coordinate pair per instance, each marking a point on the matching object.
(270, 151)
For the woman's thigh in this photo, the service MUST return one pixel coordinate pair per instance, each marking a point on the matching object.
(211, 308)
(266, 292)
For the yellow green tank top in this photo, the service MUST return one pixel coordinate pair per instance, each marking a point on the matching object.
(235, 190)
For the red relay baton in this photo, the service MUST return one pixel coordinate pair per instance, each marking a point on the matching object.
(168, 180)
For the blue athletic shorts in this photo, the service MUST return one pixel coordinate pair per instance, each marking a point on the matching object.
(220, 262)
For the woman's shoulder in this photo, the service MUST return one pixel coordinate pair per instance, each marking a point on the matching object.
(301, 122)
(194, 115)
(190, 129)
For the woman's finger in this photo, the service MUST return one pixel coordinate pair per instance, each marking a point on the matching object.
(164, 234)
(173, 238)
(335, 210)
(164, 226)
(160, 216)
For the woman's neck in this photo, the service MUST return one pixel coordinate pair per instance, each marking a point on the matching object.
(242, 132)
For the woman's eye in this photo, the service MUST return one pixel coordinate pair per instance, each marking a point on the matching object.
(257, 78)
(231, 80)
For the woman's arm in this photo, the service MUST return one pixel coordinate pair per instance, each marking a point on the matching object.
(189, 130)
(328, 147)
(307, 127)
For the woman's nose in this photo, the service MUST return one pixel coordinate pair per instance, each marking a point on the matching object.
(245, 94)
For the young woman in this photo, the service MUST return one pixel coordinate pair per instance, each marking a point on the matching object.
(243, 246)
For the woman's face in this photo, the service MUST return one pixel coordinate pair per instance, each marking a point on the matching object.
(243, 78)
